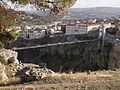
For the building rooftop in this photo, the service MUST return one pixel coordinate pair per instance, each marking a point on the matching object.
(90, 24)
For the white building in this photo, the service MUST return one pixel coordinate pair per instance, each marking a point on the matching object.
(72, 29)
(81, 29)
(36, 34)
(30, 33)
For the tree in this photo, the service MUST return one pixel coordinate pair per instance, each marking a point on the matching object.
(7, 37)
(8, 16)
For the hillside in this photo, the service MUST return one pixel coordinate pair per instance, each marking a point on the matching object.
(97, 12)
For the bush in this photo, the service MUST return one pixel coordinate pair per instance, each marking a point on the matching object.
(6, 37)
(111, 31)
(7, 17)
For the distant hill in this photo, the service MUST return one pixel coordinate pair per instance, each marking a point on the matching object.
(97, 12)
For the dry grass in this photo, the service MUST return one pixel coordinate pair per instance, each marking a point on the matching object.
(12, 80)
(91, 76)
(100, 80)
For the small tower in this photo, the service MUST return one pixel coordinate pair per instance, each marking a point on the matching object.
(101, 36)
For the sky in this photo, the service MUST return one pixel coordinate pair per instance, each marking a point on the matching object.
(96, 3)
(81, 4)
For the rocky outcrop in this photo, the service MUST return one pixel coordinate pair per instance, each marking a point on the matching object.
(34, 72)
(3, 76)
(8, 56)
(38, 73)
(10, 67)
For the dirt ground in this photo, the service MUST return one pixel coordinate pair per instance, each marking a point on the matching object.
(100, 80)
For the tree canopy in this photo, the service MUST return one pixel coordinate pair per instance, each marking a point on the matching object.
(47, 3)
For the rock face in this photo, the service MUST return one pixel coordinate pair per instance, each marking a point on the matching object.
(38, 73)
(114, 57)
(3, 76)
(8, 56)
(79, 56)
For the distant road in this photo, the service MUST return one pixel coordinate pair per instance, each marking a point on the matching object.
(54, 44)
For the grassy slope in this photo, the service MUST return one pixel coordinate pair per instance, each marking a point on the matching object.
(100, 80)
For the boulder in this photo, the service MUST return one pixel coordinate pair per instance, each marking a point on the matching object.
(8, 56)
(38, 73)
(34, 72)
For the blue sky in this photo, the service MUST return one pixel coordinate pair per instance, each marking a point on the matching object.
(96, 3)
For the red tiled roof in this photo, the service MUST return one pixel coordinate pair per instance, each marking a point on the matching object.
(90, 24)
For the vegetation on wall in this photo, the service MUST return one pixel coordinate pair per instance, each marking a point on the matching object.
(111, 31)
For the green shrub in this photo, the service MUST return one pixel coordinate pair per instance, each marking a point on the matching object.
(111, 31)
(7, 37)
